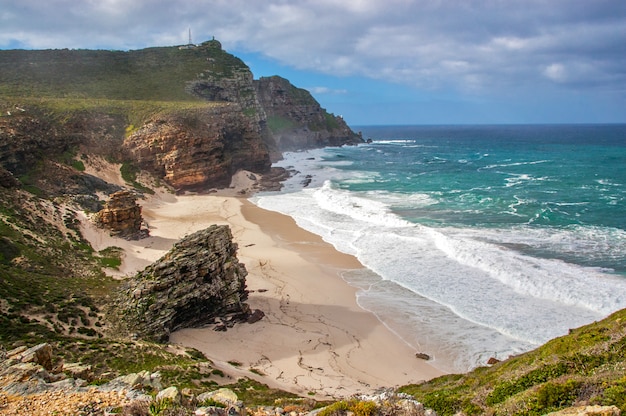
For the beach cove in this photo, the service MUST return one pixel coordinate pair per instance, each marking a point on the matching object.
(314, 339)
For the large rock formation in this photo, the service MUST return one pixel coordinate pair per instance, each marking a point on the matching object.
(199, 280)
(122, 216)
(297, 121)
(199, 149)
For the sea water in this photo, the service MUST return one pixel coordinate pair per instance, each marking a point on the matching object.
(477, 241)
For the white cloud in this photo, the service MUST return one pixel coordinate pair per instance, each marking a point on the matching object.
(426, 44)
(326, 90)
(556, 72)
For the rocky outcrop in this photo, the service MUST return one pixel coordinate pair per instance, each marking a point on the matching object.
(296, 119)
(195, 283)
(28, 388)
(588, 411)
(199, 149)
(7, 180)
(122, 216)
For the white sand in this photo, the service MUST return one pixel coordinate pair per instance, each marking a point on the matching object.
(314, 337)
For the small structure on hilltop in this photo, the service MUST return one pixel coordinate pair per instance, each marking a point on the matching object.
(189, 45)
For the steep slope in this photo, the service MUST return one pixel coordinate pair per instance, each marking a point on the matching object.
(296, 119)
(586, 367)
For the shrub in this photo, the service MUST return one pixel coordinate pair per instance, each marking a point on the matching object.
(552, 396)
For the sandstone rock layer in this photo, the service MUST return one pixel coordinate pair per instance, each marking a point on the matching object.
(121, 215)
(199, 280)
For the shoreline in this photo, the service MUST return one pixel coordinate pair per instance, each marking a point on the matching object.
(315, 340)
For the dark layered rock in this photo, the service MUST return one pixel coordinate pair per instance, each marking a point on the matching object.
(297, 121)
(7, 180)
(197, 281)
(198, 150)
(122, 216)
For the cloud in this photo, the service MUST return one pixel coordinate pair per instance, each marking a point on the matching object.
(476, 47)
(326, 90)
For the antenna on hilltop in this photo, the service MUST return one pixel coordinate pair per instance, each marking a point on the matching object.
(190, 45)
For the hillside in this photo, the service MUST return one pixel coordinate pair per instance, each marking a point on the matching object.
(585, 367)
(188, 73)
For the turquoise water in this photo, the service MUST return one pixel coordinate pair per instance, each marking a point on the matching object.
(478, 241)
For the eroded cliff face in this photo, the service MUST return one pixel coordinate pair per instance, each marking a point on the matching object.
(297, 121)
(199, 149)
(198, 280)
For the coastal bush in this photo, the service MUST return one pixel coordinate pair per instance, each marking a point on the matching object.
(254, 393)
(357, 407)
(158, 407)
(211, 402)
(111, 257)
(503, 391)
(614, 395)
(553, 396)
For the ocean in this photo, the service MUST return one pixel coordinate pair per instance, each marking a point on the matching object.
(477, 241)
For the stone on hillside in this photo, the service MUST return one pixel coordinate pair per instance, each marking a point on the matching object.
(39, 354)
(171, 393)
(223, 395)
(122, 216)
(7, 180)
(77, 370)
(134, 380)
(12, 353)
(493, 361)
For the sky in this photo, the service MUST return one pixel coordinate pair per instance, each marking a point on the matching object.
(378, 62)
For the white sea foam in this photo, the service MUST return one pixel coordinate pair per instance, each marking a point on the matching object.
(506, 165)
(459, 294)
(513, 301)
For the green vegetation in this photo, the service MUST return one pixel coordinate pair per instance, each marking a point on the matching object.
(135, 112)
(330, 122)
(586, 366)
(159, 74)
(356, 407)
(301, 96)
(277, 124)
(254, 393)
(111, 257)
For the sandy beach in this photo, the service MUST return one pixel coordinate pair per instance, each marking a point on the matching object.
(314, 339)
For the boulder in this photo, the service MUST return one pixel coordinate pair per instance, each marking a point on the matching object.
(223, 395)
(171, 393)
(39, 354)
(77, 370)
(199, 280)
(255, 316)
(122, 216)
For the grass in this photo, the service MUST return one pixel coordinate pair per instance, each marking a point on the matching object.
(111, 257)
(277, 124)
(159, 74)
(588, 365)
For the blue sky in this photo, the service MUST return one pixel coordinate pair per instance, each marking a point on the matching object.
(379, 61)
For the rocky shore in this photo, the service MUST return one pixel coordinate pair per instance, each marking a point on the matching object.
(34, 383)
